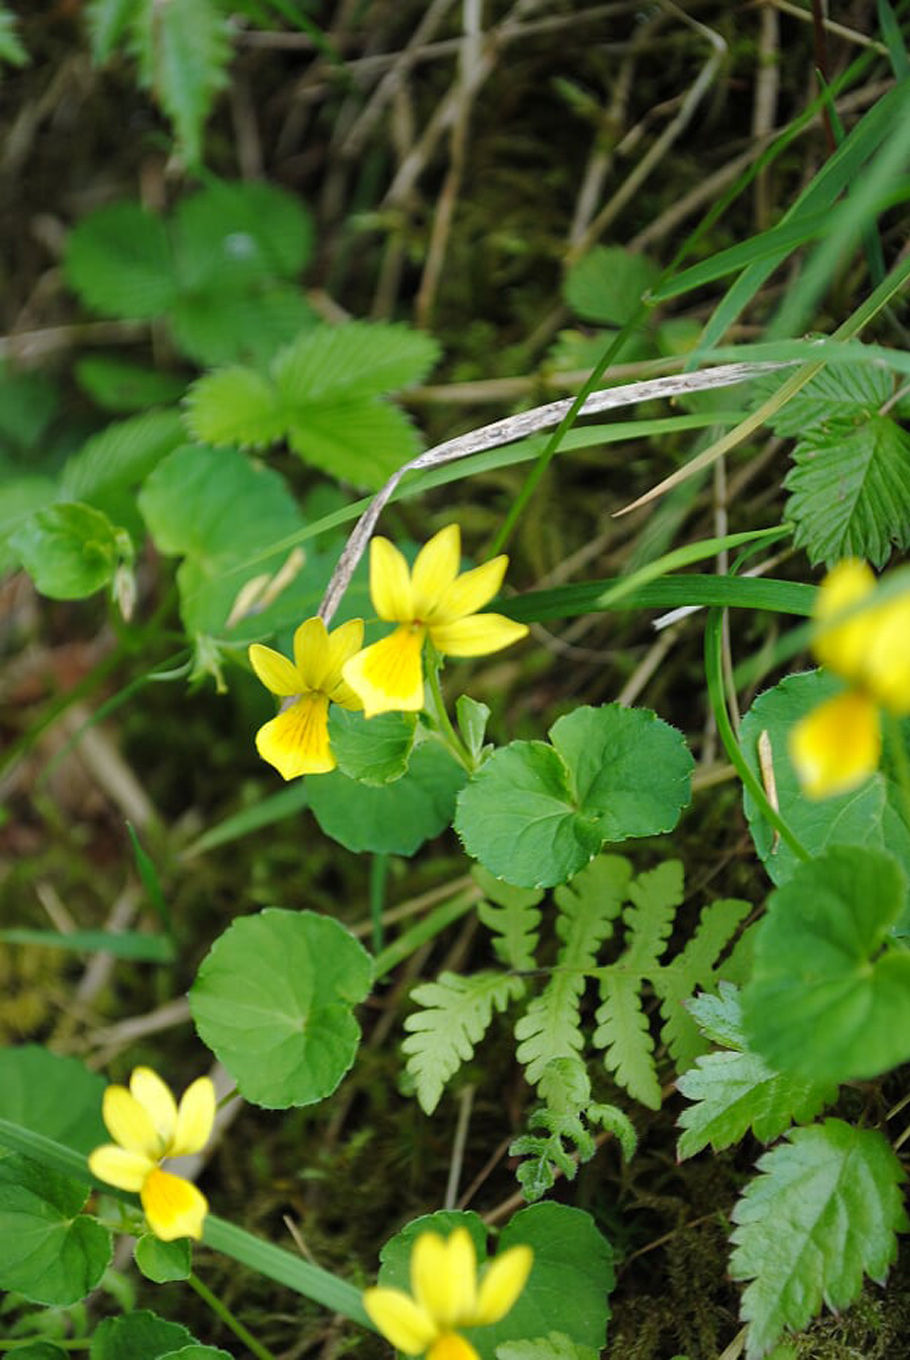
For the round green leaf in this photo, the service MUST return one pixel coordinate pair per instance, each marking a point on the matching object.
(162, 1262)
(41, 1350)
(535, 815)
(274, 999)
(371, 750)
(397, 818)
(870, 816)
(119, 260)
(69, 550)
(140, 1336)
(608, 283)
(245, 230)
(830, 991)
(53, 1095)
(566, 1290)
(49, 1250)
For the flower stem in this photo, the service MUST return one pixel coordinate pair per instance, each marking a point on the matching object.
(441, 719)
(221, 1310)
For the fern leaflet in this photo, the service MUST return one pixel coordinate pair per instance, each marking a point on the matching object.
(456, 1014)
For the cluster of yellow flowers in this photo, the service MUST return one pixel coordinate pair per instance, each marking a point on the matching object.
(839, 744)
(148, 1126)
(431, 601)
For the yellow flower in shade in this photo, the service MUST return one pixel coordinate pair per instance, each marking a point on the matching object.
(434, 601)
(839, 744)
(445, 1295)
(148, 1126)
(297, 741)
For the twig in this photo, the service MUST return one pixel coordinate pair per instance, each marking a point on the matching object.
(513, 428)
(465, 1105)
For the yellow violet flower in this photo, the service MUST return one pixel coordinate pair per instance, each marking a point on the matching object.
(445, 1295)
(434, 601)
(148, 1126)
(839, 745)
(297, 741)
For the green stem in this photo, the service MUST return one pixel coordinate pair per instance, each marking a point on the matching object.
(221, 1310)
(441, 719)
(82, 1343)
(714, 673)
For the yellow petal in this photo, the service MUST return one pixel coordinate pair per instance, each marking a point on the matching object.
(275, 671)
(344, 642)
(195, 1117)
(311, 653)
(837, 746)
(400, 1319)
(390, 582)
(435, 569)
(842, 647)
(130, 1124)
(502, 1284)
(156, 1099)
(476, 635)
(887, 666)
(389, 675)
(116, 1166)
(297, 741)
(173, 1207)
(471, 591)
(451, 1346)
(444, 1276)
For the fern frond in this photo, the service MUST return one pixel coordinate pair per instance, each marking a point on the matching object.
(456, 1014)
(624, 1035)
(654, 895)
(183, 51)
(588, 906)
(694, 968)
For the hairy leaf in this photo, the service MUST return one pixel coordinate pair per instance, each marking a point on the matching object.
(822, 1213)
(456, 1013)
(839, 393)
(850, 490)
(108, 21)
(119, 456)
(183, 51)
(240, 231)
(119, 260)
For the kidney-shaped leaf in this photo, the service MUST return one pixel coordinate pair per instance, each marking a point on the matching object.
(49, 1250)
(274, 999)
(830, 992)
(53, 1095)
(140, 1335)
(536, 814)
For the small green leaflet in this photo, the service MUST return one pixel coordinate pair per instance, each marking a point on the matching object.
(822, 1213)
(162, 1262)
(119, 260)
(553, 1346)
(456, 1013)
(49, 1250)
(70, 550)
(274, 1000)
(830, 994)
(11, 48)
(371, 750)
(566, 1291)
(870, 816)
(325, 395)
(535, 814)
(608, 283)
(737, 1091)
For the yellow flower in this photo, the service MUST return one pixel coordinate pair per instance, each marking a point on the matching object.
(838, 745)
(430, 601)
(445, 1295)
(148, 1126)
(297, 741)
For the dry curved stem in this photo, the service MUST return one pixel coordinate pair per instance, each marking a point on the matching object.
(513, 428)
